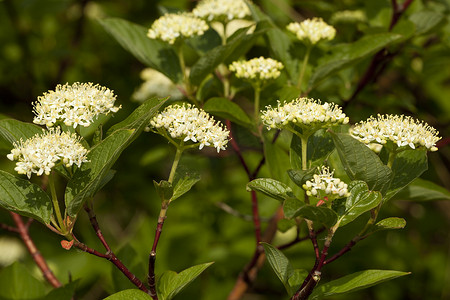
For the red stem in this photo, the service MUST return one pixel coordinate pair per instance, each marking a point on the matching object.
(22, 229)
(94, 223)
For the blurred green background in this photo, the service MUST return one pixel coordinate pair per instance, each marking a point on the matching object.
(46, 42)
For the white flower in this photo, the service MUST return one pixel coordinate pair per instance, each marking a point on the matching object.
(325, 185)
(76, 104)
(186, 122)
(303, 112)
(257, 68)
(156, 84)
(221, 10)
(312, 30)
(42, 152)
(170, 27)
(403, 131)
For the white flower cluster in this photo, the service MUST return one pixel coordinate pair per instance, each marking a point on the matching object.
(156, 84)
(171, 27)
(325, 185)
(401, 130)
(42, 152)
(303, 111)
(221, 10)
(348, 16)
(312, 30)
(191, 124)
(76, 104)
(257, 68)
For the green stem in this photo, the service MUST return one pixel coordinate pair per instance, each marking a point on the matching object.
(175, 163)
(392, 156)
(55, 202)
(304, 64)
(304, 152)
(257, 88)
(224, 35)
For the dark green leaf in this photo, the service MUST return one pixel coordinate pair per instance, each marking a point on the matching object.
(317, 214)
(346, 55)
(208, 62)
(320, 146)
(271, 187)
(183, 183)
(23, 197)
(408, 165)
(205, 42)
(277, 160)
(164, 190)
(300, 177)
(354, 282)
(226, 109)
(133, 294)
(88, 179)
(153, 53)
(280, 265)
(170, 283)
(361, 163)
(388, 223)
(63, 293)
(423, 190)
(296, 279)
(426, 21)
(359, 201)
(16, 282)
(12, 131)
(284, 225)
(291, 206)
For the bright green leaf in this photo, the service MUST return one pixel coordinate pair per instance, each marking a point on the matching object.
(226, 109)
(164, 190)
(296, 279)
(355, 282)
(170, 283)
(17, 283)
(280, 265)
(183, 183)
(25, 198)
(388, 223)
(271, 187)
(423, 190)
(347, 55)
(151, 52)
(359, 201)
(361, 163)
(133, 294)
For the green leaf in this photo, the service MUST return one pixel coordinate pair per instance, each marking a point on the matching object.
(226, 109)
(318, 214)
(151, 52)
(284, 225)
(271, 187)
(164, 190)
(359, 201)
(133, 294)
(140, 117)
(299, 177)
(170, 283)
(16, 282)
(320, 146)
(426, 21)
(88, 179)
(388, 223)
(361, 163)
(346, 55)
(183, 183)
(65, 292)
(235, 44)
(280, 265)
(408, 165)
(277, 160)
(355, 282)
(296, 279)
(279, 43)
(25, 198)
(423, 190)
(12, 131)
(205, 42)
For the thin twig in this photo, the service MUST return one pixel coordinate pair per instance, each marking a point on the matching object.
(94, 223)
(35, 254)
(8, 228)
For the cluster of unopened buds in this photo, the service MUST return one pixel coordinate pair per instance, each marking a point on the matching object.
(259, 69)
(221, 10)
(325, 187)
(312, 30)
